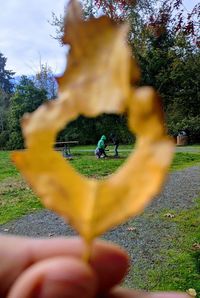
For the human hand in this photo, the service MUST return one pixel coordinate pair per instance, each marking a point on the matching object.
(53, 268)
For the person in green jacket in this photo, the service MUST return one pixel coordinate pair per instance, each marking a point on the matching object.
(100, 150)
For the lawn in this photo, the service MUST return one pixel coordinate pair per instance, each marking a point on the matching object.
(17, 199)
(7, 169)
(182, 263)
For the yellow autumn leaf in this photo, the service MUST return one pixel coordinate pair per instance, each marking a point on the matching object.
(97, 80)
(99, 65)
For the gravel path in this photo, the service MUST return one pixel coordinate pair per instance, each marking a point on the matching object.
(143, 237)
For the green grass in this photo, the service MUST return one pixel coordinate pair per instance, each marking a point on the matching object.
(179, 268)
(7, 169)
(17, 200)
(86, 163)
(96, 168)
(195, 146)
(183, 160)
(92, 167)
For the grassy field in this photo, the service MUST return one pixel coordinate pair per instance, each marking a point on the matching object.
(17, 199)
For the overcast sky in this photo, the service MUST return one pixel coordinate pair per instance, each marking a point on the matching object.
(25, 34)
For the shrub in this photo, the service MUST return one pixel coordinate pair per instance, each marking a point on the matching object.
(15, 141)
(3, 140)
(190, 125)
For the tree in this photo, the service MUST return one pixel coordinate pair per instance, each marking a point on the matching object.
(142, 14)
(6, 88)
(27, 98)
(45, 79)
(118, 10)
(153, 13)
(6, 76)
(165, 40)
(3, 109)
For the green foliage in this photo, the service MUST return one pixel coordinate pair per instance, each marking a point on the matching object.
(190, 124)
(89, 130)
(6, 87)
(5, 76)
(4, 103)
(185, 92)
(3, 139)
(26, 99)
(171, 64)
(45, 80)
(169, 61)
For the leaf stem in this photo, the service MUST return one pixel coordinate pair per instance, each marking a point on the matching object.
(88, 250)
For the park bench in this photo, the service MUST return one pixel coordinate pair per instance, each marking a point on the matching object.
(64, 147)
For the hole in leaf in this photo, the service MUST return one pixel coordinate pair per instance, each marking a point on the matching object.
(78, 140)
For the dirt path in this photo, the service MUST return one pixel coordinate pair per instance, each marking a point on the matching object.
(143, 237)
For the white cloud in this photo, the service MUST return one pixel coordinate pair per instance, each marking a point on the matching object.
(25, 34)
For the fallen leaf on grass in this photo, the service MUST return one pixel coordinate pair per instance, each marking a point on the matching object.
(131, 229)
(192, 292)
(98, 79)
(196, 246)
(169, 215)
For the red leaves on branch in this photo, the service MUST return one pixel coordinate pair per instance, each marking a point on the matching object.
(172, 14)
(115, 9)
(177, 4)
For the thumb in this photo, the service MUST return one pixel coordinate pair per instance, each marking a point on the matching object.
(56, 278)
